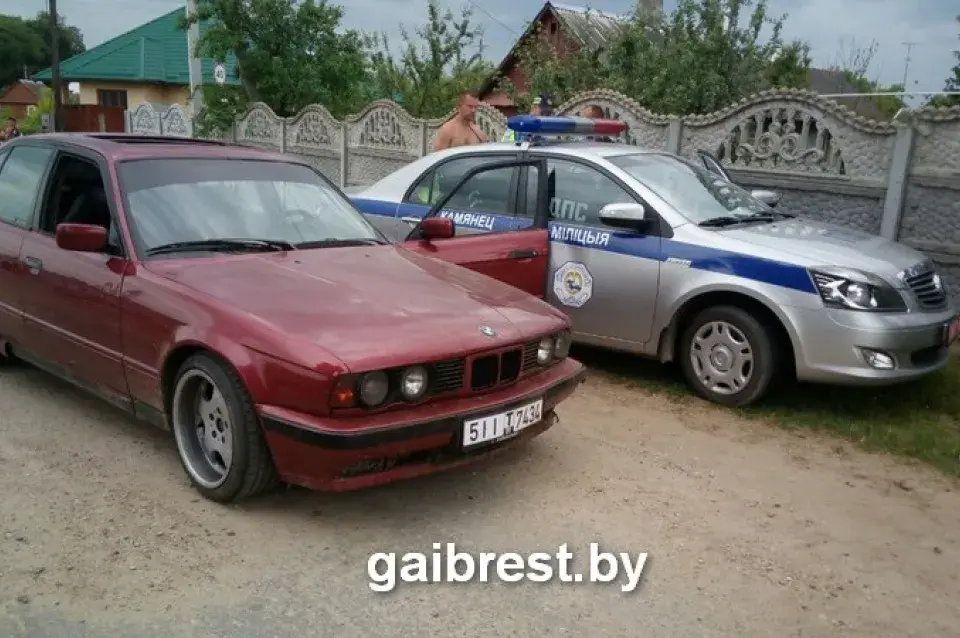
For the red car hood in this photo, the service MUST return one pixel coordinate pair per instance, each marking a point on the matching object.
(371, 307)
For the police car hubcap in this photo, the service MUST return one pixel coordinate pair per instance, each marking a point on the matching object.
(722, 357)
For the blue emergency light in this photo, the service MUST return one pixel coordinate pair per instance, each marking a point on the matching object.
(564, 125)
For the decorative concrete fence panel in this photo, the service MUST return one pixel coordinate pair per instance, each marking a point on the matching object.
(148, 119)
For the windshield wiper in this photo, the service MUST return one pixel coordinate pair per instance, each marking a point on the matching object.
(332, 242)
(730, 220)
(222, 245)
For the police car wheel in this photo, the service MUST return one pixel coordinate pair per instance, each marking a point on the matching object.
(728, 356)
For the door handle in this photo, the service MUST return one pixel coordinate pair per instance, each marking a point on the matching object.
(413, 221)
(524, 254)
(34, 264)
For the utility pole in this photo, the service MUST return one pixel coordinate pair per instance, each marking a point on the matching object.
(193, 62)
(906, 62)
(55, 68)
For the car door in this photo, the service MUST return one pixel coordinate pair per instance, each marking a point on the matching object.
(22, 170)
(605, 278)
(509, 245)
(487, 204)
(71, 301)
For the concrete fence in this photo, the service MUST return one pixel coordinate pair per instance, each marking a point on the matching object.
(897, 179)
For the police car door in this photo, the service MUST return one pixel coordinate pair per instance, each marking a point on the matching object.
(604, 276)
(513, 248)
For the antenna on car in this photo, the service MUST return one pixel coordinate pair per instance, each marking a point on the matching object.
(540, 126)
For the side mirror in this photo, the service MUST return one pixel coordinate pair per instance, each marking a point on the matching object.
(770, 198)
(436, 228)
(625, 215)
(81, 238)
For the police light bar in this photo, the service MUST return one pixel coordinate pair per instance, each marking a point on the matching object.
(564, 125)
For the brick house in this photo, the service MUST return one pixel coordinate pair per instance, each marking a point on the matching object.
(21, 97)
(567, 29)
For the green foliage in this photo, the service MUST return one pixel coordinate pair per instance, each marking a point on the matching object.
(25, 45)
(34, 121)
(221, 104)
(287, 56)
(952, 84)
(698, 59)
(444, 59)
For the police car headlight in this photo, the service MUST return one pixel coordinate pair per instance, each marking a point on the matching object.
(545, 350)
(413, 383)
(561, 344)
(374, 387)
(856, 290)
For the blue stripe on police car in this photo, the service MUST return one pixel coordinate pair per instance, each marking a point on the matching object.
(700, 257)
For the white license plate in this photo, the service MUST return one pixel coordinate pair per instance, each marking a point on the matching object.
(504, 425)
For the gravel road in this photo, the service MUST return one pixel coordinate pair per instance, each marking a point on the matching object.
(750, 531)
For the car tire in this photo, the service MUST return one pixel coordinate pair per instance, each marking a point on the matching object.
(218, 436)
(728, 356)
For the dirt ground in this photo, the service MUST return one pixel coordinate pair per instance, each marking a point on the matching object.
(751, 531)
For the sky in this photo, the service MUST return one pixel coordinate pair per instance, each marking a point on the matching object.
(833, 28)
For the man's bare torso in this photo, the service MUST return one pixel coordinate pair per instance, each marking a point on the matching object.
(459, 133)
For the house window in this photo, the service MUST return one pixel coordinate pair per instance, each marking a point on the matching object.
(112, 98)
(31, 108)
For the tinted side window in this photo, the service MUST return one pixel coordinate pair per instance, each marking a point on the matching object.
(492, 187)
(19, 181)
(577, 192)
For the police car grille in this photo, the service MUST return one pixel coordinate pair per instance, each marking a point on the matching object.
(928, 294)
(447, 375)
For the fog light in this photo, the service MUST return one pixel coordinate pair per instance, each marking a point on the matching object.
(374, 388)
(877, 359)
(413, 382)
(545, 351)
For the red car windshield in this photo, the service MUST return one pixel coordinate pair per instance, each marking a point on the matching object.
(187, 200)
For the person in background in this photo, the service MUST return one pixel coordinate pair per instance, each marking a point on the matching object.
(461, 129)
(595, 112)
(539, 106)
(10, 130)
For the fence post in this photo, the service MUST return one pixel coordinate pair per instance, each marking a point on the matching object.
(674, 136)
(344, 160)
(423, 137)
(897, 176)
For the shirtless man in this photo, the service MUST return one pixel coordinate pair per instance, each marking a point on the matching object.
(461, 129)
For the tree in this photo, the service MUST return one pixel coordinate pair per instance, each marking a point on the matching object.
(20, 48)
(70, 41)
(698, 59)
(445, 59)
(952, 84)
(25, 45)
(288, 56)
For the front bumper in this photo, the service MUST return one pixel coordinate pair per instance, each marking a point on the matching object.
(341, 454)
(832, 343)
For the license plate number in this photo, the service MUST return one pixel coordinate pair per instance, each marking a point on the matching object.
(496, 427)
(951, 331)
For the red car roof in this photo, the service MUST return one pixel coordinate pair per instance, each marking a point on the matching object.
(126, 146)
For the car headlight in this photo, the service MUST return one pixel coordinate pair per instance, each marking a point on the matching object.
(545, 350)
(413, 383)
(374, 387)
(561, 344)
(856, 290)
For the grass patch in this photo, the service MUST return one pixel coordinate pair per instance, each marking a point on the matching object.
(919, 420)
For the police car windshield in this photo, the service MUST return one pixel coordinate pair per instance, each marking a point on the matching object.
(696, 193)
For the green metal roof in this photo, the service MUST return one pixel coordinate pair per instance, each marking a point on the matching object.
(154, 52)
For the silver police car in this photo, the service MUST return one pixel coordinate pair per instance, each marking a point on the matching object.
(657, 255)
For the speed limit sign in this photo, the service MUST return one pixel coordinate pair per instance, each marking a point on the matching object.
(220, 73)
